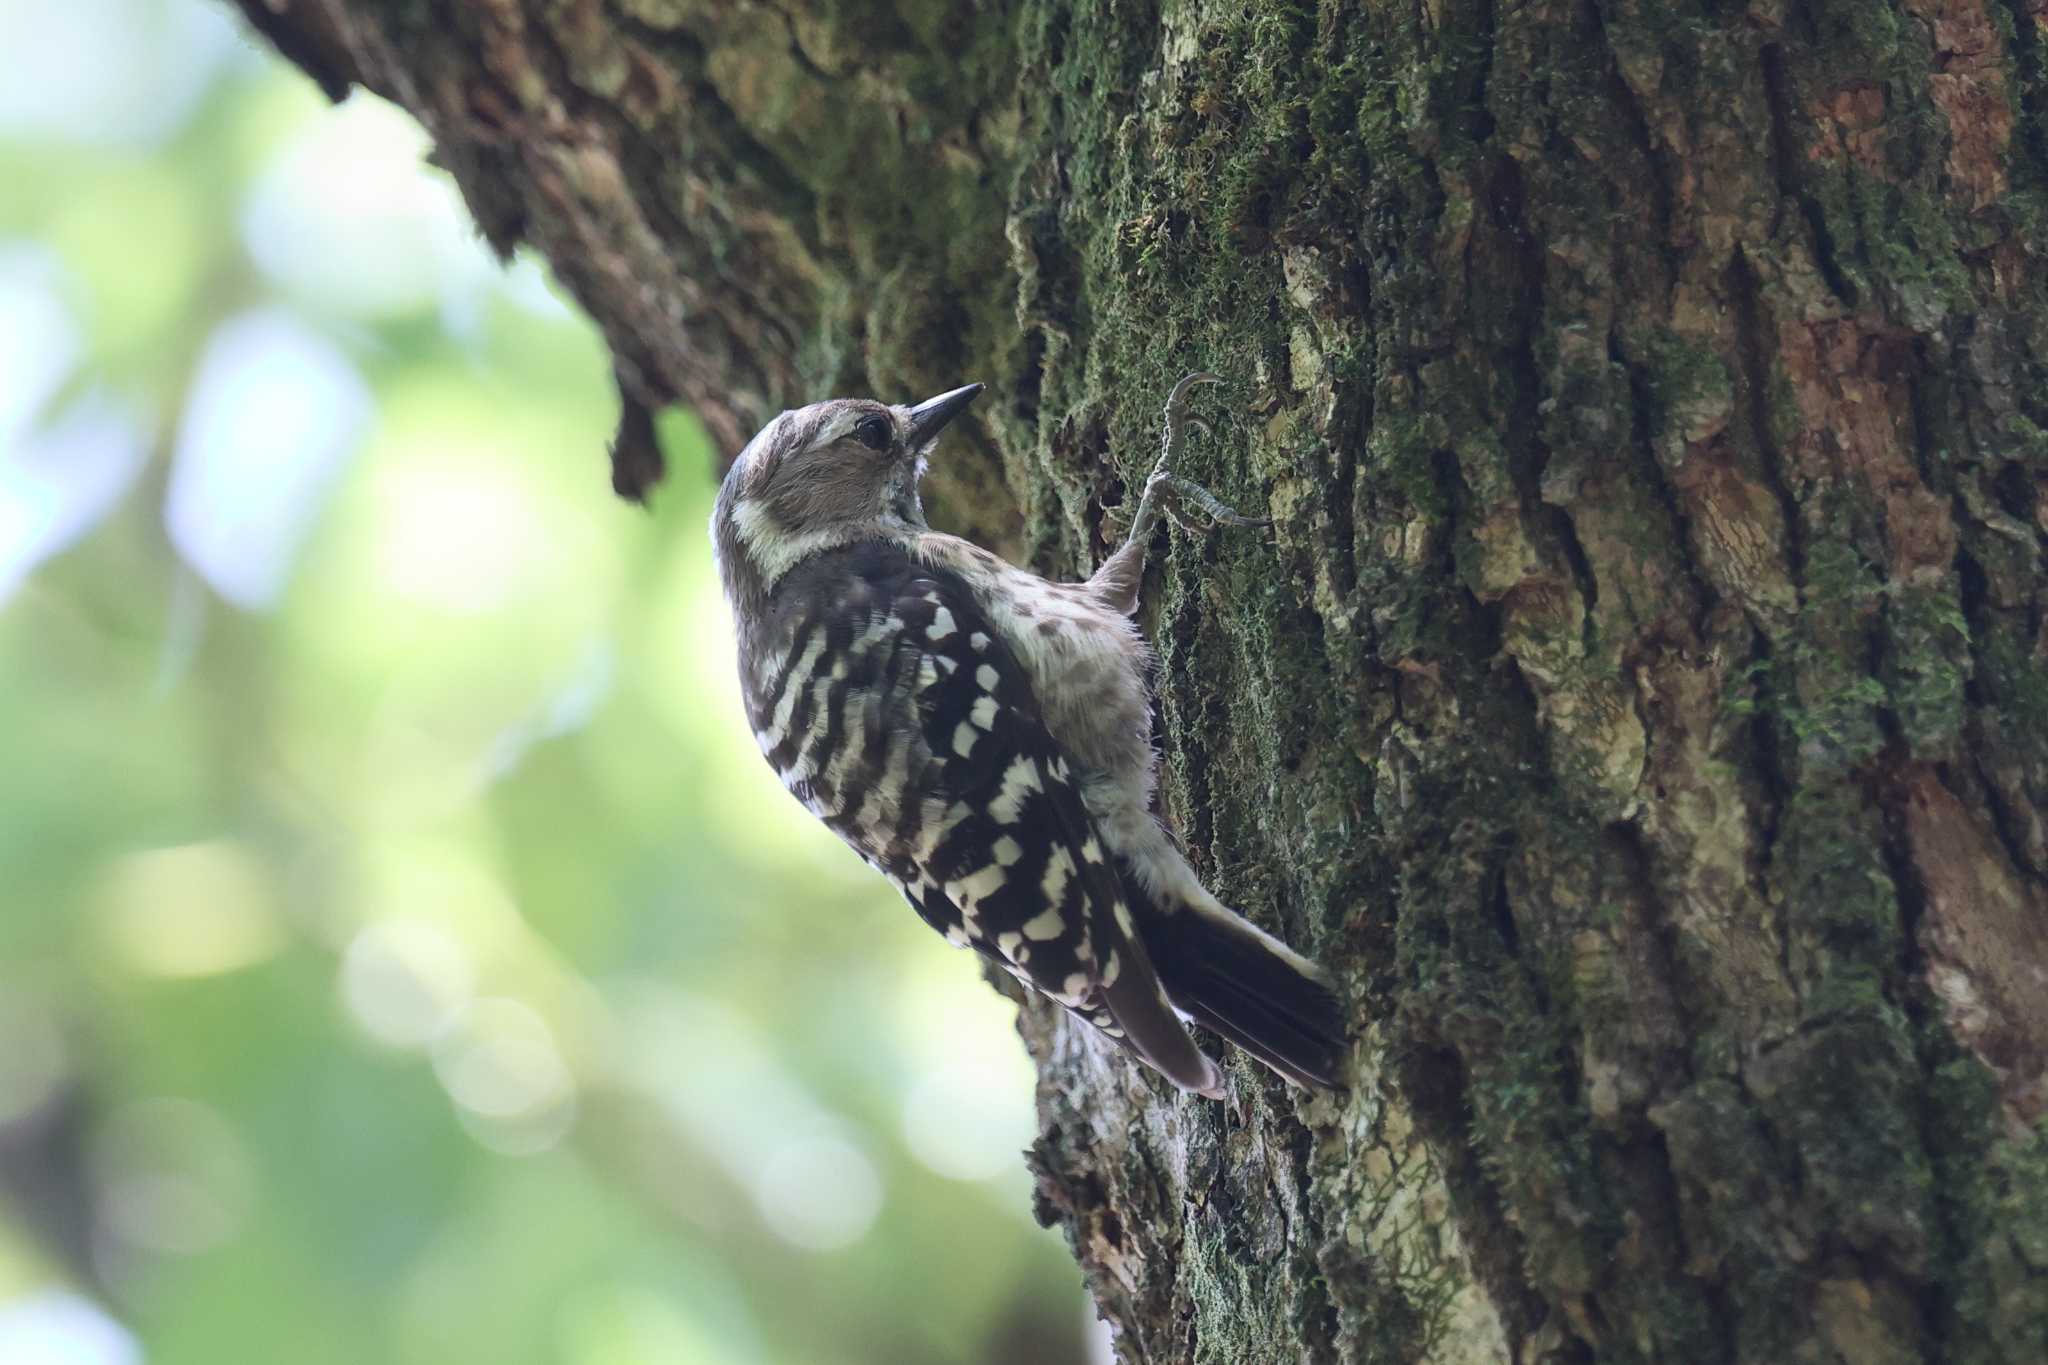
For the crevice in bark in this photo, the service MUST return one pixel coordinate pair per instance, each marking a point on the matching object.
(1503, 914)
(2029, 68)
(1351, 422)
(1979, 739)
(1754, 356)
(1774, 786)
(1528, 455)
(1788, 170)
(1637, 121)
(1433, 1081)
(1910, 888)
(1933, 1297)
(1642, 424)
(1624, 842)
(2010, 486)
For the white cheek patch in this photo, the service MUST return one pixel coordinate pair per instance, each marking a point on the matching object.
(774, 550)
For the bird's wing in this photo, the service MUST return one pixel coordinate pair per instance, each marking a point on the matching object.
(1003, 855)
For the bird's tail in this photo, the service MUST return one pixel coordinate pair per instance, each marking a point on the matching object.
(1235, 979)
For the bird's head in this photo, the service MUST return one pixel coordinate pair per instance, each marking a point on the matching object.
(823, 476)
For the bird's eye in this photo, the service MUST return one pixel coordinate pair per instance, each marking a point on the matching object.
(873, 431)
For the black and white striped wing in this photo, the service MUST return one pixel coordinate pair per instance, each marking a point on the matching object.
(907, 725)
(1005, 857)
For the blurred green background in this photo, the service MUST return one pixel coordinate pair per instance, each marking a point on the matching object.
(404, 954)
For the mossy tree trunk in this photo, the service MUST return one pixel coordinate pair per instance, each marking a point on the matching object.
(1640, 699)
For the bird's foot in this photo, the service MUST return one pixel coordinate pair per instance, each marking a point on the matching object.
(1175, 494)
(1182, 494)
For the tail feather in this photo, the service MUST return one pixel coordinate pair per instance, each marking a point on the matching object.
(1143, 1023)
(1290, 1046)
(1249, 987)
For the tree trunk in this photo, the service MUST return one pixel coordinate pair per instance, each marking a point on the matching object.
(1639, 701)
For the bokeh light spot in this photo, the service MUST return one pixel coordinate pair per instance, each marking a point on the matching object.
(500, 1065)
(403, 979)
(820, 1193)
(190, 910)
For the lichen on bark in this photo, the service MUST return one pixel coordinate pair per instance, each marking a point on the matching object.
(1639, 699)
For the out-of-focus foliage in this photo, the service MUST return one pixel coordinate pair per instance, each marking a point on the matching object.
(404, 956)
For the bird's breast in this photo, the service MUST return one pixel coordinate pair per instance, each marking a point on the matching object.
(1088, 667)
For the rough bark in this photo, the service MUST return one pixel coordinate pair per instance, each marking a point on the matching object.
(1640, 699)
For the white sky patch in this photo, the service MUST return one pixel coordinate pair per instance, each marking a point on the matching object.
(119, 73)
(528, 284)
(59, 478)
(352, 221)
(54, 1327)
(56, 484)
(275, 411)
(40, 340)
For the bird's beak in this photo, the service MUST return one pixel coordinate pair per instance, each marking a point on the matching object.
(930, 417)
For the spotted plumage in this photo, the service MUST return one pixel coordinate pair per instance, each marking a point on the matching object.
(982, 738)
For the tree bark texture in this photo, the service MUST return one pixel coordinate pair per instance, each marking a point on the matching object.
(1640, 698)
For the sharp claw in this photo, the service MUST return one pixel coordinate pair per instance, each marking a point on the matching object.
(1217, 511)
(1188, 381)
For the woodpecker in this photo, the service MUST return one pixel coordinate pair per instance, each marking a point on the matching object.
(983, 737)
